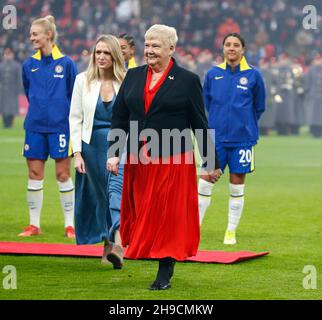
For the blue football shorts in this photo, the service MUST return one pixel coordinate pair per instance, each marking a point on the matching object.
(40, 145)
(240, 159)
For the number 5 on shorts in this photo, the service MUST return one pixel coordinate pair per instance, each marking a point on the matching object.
(62, 141)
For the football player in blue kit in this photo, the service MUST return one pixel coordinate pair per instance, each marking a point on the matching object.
(48, 79)
(234, 94)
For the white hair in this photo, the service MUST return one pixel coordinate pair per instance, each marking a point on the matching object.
(162, 32)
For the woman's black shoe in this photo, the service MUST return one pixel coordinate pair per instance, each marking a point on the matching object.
(156, 285)
(165, 272)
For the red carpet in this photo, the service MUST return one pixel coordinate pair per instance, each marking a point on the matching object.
(96, 251)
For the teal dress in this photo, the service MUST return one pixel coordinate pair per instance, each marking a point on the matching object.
(98, 192)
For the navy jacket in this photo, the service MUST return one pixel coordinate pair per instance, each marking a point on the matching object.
(177, 106)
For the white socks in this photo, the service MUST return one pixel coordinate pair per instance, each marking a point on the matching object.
(35, 199)
(236, 202)
(236, 205)
(204, 197)
(66, 190)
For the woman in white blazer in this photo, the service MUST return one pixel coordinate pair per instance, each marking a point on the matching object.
(97, 192)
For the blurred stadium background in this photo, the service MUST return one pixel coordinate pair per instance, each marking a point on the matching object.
(283, 196)
(288, 54)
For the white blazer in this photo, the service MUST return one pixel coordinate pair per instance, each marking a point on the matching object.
(82, 110)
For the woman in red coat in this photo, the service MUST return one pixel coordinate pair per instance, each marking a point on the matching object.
(159, 208)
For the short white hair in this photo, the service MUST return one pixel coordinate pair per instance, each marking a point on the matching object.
(164, 33)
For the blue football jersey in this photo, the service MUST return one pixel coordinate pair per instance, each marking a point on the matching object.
(48, 83)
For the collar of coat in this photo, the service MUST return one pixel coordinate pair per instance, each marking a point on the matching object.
(243, 65)
(56, 54)
(132, 63)
(166, 86)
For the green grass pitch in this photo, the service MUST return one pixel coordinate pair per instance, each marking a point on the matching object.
(282, 214)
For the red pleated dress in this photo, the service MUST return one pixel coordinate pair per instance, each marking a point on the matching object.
(159, 207)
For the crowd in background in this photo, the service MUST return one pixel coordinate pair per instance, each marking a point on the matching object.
(270, 27)
(277, 42)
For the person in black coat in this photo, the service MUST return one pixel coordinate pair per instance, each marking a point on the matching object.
(158, 105)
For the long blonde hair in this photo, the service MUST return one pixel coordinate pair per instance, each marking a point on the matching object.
(117, 57)
(48, 23)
